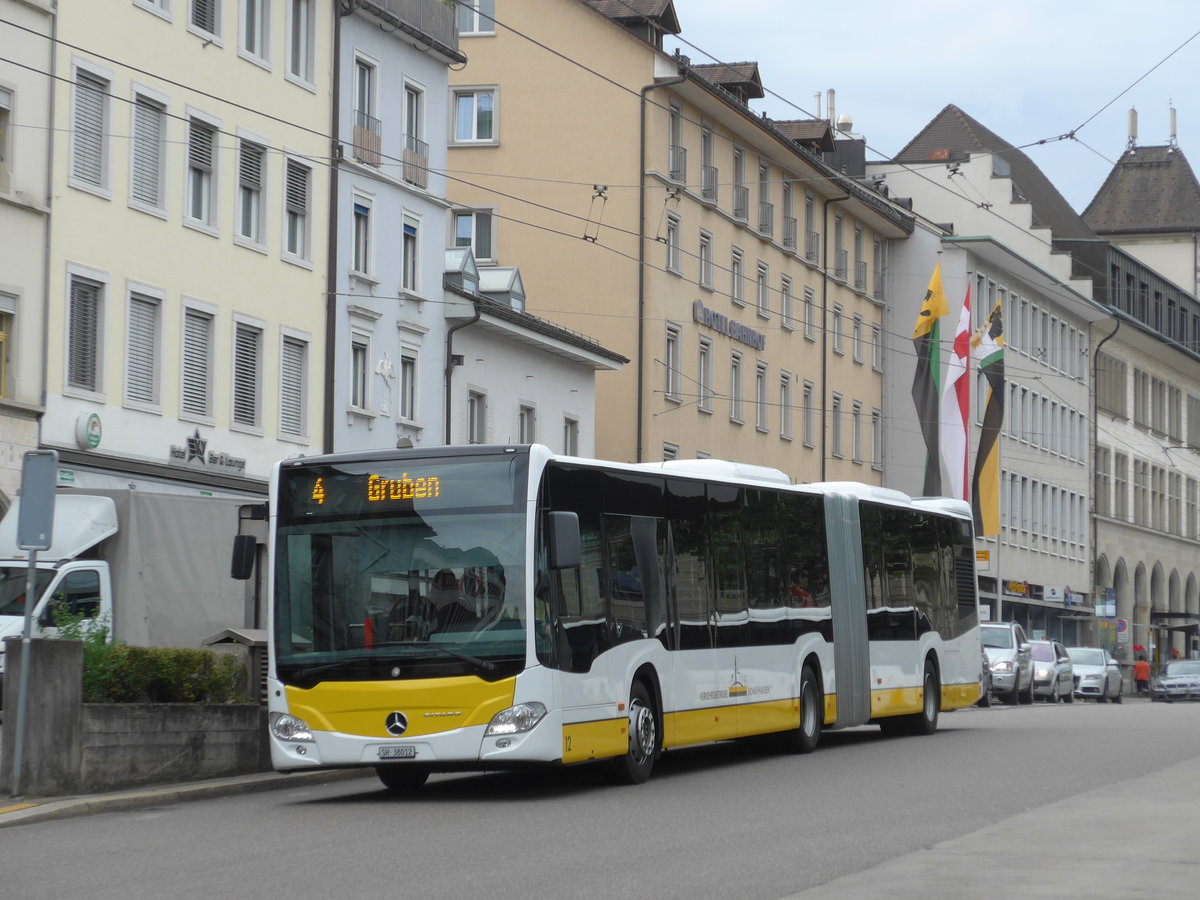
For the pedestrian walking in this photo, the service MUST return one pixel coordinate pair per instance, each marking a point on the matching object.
(1141, 675)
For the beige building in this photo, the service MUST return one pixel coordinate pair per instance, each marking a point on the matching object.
(186, 309)
(649, 206)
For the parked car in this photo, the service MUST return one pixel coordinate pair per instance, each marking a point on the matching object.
(1053, 675)
(1007, 650)
(985, 681)
(1178, 680)
(1097, 674)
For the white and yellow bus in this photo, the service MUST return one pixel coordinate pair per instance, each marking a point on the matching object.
(489, 607)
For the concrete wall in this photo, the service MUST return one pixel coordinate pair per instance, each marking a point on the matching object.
(71, 747)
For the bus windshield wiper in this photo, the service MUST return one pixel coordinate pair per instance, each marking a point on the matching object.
(430, 645)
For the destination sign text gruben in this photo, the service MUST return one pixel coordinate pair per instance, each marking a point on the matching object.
(380, 489)
(722, 323)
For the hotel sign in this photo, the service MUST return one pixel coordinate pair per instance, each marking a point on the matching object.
(723, 324)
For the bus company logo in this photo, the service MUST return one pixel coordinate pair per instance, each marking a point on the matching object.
(737, 688)
(396, 724)
(449, 714)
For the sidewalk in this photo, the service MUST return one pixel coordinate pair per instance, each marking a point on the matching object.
(1072, 848)
(24, 812)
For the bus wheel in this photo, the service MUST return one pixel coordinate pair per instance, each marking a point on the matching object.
(401, 779)
(806, 735)
(926, 721)
(635, 766)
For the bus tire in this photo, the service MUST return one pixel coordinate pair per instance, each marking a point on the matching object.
(805, 736)
(402, 779)
(644, 739)
(926, 721)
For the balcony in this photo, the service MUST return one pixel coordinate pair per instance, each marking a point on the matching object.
(841, 264)
(678, 163)
(708, 183)
(766, 217)
(416, 161)
(812, 245)
(366, 138)
(431, 21)
(741, 202)
(789, 232)
(860, 275)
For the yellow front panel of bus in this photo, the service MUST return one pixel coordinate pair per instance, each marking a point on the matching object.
(430, 705)
(595, 740)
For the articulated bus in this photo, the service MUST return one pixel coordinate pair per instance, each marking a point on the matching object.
(490, 607)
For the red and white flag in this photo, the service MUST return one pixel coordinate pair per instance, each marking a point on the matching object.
(956, 406)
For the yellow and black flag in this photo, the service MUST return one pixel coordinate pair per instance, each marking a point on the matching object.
(987, 346)
(927, 382)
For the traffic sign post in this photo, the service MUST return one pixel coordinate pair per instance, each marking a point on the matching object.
(35, 531)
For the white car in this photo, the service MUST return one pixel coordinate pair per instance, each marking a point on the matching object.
(1097, 674)
(1012, 669)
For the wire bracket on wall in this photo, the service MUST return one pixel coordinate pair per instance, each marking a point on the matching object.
(591, 230)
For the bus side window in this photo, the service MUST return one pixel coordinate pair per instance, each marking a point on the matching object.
(689, 584)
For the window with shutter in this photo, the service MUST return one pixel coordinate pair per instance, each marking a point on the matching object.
(204, 15)
(141, 366)
(197, 363)
(146, 178)
(91, 120)
(83, 334)
(202, 139)
(292, 379)
(250, 177)
(247, 365)
(296, 201)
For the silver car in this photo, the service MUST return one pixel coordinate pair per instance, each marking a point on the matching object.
(1007, 649)
(1178, 680)
(1053, 676)
(1097, 674)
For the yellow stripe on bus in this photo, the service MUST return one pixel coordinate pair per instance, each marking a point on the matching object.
(595, 740)
(958, 696)
(431, 705)
(896, 701)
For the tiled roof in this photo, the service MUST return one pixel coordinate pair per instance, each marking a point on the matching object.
(661, 12)
(952, 135)
(1150, 189)
(816, 133)
(741, 78)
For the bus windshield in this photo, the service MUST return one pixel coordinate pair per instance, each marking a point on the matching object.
(411, 568)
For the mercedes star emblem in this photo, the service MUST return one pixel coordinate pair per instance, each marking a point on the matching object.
(396, 723)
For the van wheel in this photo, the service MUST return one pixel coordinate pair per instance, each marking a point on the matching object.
(402, 779)
(644, 740)
(806, 735)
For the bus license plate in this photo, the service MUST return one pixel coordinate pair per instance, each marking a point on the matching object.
(405, 752)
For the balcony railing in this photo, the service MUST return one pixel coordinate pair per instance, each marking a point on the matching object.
(433, 20)
(741, 202)
(878, 292)
(366, 138)
(708, 183)
(841, 262)
(812, 245)
(678, 163)
(416, 161)
(766, 217)
(789, 232)
(860, 275)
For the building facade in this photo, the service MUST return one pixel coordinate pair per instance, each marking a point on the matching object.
(186, 314)
(655, 210)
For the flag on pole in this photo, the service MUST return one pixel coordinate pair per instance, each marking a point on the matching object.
(956, 405)
(927, 380)
(988, 349)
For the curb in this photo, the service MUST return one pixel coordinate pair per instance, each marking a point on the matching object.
(24, 812)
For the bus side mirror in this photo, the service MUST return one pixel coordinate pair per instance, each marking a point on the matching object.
(564, 540)
(245, 551)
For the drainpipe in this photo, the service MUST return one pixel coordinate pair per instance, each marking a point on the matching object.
(331, 285)
(46, 239)
(449, 372)
(825, 327)
(641, 320)
(1095, 404)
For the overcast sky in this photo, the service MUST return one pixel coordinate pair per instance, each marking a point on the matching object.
(1027, 69)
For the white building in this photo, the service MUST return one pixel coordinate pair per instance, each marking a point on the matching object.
(186, 262)
(25, 141)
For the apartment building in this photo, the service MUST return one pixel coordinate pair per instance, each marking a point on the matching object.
(25, 141)
(1001, 226)
(186, 313)
(648, 205)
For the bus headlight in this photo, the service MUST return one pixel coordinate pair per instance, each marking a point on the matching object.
(289, 728)
(516, 719)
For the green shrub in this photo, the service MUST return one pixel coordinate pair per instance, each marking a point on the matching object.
(118, 673)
